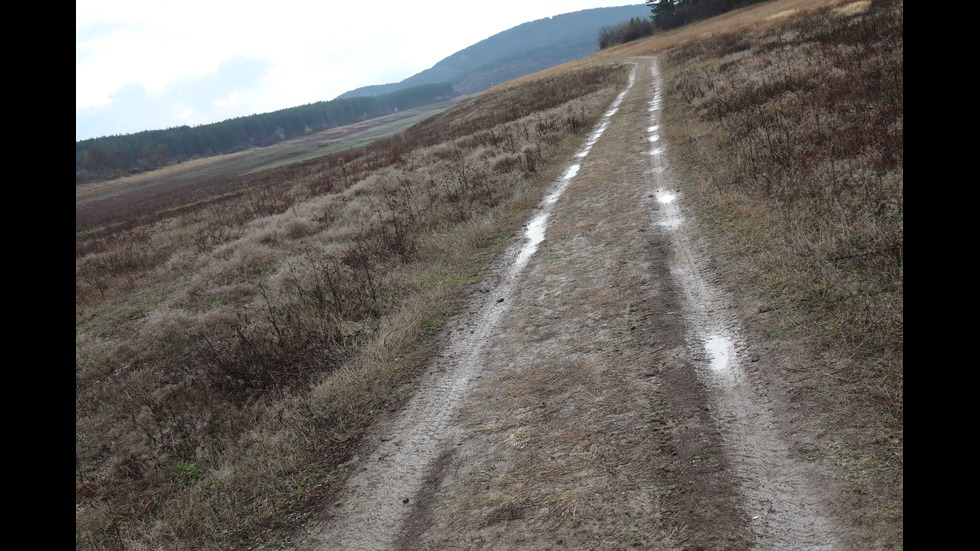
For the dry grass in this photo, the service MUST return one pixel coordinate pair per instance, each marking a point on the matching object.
(790, 136)
(230, 354)
(794, 138)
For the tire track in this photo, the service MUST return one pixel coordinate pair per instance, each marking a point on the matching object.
(787, 512)
(379, 498)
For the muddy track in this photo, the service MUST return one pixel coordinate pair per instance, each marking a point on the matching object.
(597, 395)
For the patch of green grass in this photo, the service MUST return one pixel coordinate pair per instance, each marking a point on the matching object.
(704, 461)
(436, 321)
(814, 292)
(184, 472)
(449, 278)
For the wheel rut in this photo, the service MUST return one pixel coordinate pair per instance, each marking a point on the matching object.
(379, 498)
(786, 508)
(596, 396)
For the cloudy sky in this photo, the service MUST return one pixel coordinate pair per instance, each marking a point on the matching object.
(151, 65)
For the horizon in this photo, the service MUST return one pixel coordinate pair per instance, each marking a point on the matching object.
(137, 69)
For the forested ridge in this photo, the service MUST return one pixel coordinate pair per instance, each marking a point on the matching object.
(527, 48)
(98, 158)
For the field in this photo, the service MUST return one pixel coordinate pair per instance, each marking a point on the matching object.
(243, 322)
(172, 186)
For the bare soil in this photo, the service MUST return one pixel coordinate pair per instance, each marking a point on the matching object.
(617, 391)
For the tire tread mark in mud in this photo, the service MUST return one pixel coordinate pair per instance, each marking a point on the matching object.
(785, 509)
(378, 498)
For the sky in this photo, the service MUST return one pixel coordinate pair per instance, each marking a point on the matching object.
(153, 65)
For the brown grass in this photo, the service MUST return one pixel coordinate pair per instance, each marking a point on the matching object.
(790, 136)
(230, 352)
(794, 137)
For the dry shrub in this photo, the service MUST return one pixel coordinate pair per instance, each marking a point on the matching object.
(230, 353)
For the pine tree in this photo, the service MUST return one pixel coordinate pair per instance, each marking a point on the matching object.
(660, 8)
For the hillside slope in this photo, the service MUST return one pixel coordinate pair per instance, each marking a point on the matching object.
(521, 50)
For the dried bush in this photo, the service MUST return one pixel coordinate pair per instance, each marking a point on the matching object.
(230, 352)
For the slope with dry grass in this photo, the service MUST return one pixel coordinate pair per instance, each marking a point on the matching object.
(233, 345)
(230, 352)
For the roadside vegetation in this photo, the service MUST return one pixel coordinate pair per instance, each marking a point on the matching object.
(231, 349)
(627, 32)
(790, 135)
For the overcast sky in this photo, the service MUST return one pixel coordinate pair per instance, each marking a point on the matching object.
(151, 65)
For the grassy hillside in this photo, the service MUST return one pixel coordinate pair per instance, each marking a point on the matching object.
(789, 135)
(232, 348)
(792, 139)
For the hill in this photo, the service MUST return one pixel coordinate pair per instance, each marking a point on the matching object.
(112, 156)
(521, 50)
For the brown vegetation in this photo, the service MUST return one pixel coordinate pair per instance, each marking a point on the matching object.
(233, 344)
(791, 138)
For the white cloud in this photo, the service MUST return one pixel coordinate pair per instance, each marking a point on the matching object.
(298, 52)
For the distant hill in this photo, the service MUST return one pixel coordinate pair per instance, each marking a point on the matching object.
(519, 51)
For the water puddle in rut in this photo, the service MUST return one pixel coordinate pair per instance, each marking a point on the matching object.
(534, 233)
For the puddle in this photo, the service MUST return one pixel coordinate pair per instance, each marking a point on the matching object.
(670, 216)
(717, 347)
(572, 171)
(534, 233)
(721, 353)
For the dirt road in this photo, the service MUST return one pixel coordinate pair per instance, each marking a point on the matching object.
(599, 393)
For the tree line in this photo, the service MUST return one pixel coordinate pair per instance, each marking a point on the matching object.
(109, 156)
(666, 14)
(637, 28)
(670, 14)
